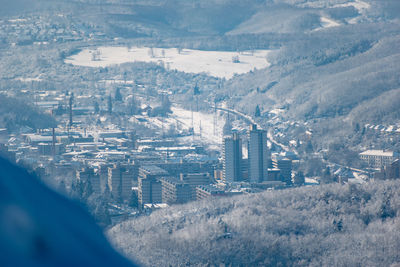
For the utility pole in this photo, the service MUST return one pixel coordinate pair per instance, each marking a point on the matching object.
(54, 144)
(215, 118)
(200, 129)
(71, 100)
(162, 126)
(196, 93)
(192, 123)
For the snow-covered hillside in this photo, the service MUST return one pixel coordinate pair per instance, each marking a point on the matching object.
(333, 225)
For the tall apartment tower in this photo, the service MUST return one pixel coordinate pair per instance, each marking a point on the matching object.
(233, 158)
(285, 167)
(120, 182)
(258, 155)
(149, 184)
(88, 175)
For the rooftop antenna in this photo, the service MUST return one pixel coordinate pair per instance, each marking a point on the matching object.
(215, 117)
(192, 123)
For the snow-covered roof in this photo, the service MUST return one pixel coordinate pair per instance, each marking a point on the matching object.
(39, 138)
(155, 170)
(390, 128)
(383, 153)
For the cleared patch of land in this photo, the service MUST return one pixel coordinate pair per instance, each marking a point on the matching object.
(221, 64)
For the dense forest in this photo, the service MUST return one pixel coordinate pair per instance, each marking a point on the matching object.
(332, 225)
(15, 113)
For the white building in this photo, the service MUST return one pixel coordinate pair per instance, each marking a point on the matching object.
(378, 158)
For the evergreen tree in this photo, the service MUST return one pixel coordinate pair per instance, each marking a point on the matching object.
(133, 106)
(96, 107)
(60, 110)
(326, 176)
(357, 127)
(118, 95)
(196, 90)
(257, 113)
(309, 147)
(363, 131)
(134, 201)
(165, 105)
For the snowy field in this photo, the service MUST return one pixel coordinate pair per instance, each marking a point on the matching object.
(361, 6)
(214, 63)
(202, 123)
(328, 23)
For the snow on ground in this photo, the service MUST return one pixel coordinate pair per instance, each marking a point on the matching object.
(16, 20)
(215, 63)
(361, 6)
(327, 23)
(201, 120)
(277, 111)
(311, 181)
(116, 81)
(36, 79)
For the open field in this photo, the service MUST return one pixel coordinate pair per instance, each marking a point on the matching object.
(215, 63)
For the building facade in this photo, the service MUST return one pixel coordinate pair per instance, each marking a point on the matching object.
(378, 158)
(149, 184)
(175, 191)
(285, 167)
(258, 155)
(120, 182)
(206, 191)
(88, 175)
(195, 179)
(232, 161)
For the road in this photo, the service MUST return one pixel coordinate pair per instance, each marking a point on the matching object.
(250, 120)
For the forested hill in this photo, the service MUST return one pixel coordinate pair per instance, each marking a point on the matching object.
(15, 113)
(333, 225)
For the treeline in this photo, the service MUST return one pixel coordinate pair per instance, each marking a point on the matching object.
(332, 225)
(15, 113)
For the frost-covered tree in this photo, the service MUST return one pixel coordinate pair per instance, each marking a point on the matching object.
(304, 226)
(257, 112)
